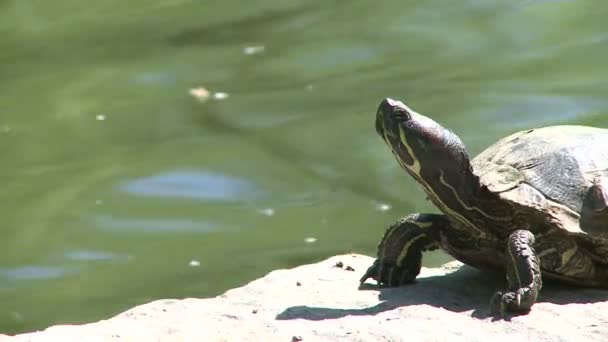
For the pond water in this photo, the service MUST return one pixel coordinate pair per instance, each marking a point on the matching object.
(122, 184)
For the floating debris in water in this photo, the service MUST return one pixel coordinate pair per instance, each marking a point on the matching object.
(194, 263)
(220, 95)
(383, 206)
(98, 202)
(5, 129)
(200, 93)
(253, 50)
(266, 211)
(100, 117)
(309, 87)
(310, 240)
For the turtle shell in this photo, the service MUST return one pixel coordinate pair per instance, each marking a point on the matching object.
(560, 171)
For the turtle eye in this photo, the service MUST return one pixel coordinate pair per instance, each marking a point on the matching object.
(401, 115)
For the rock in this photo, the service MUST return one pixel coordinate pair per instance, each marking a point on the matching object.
(450, 303)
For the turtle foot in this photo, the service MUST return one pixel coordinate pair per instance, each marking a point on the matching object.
(390, 275)
(518, 302)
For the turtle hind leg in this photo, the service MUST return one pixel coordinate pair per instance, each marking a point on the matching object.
(580, 261)
(523, 275)
(400, 250)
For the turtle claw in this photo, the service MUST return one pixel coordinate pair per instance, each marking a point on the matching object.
(390, 275)
(503, 303)
(372, 272)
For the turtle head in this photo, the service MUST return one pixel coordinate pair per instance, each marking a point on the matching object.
(433, 155)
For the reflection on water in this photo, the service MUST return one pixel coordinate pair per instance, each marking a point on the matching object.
(155, 79)
(34, 272)
(84, 255)
(154, 225)
(200, 185)
(40, 272)
(533, 110)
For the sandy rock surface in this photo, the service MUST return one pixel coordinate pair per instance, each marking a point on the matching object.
(322, 302)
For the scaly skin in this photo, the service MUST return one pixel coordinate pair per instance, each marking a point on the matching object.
(523, 275)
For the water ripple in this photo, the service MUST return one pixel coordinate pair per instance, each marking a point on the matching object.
(200, 185)
(88, 255)
(111, 223)
(33, 272)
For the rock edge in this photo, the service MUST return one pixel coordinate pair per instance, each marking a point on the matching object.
(322, 302)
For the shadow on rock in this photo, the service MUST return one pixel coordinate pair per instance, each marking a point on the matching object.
(463, 290)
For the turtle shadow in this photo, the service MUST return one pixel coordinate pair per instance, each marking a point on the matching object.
(466, 289)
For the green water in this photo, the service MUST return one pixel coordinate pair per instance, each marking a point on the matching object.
(119, 187)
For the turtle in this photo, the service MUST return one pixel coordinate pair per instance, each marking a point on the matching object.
(532, 206)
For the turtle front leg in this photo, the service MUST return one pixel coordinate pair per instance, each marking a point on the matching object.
(400, 250)
(523, 275)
